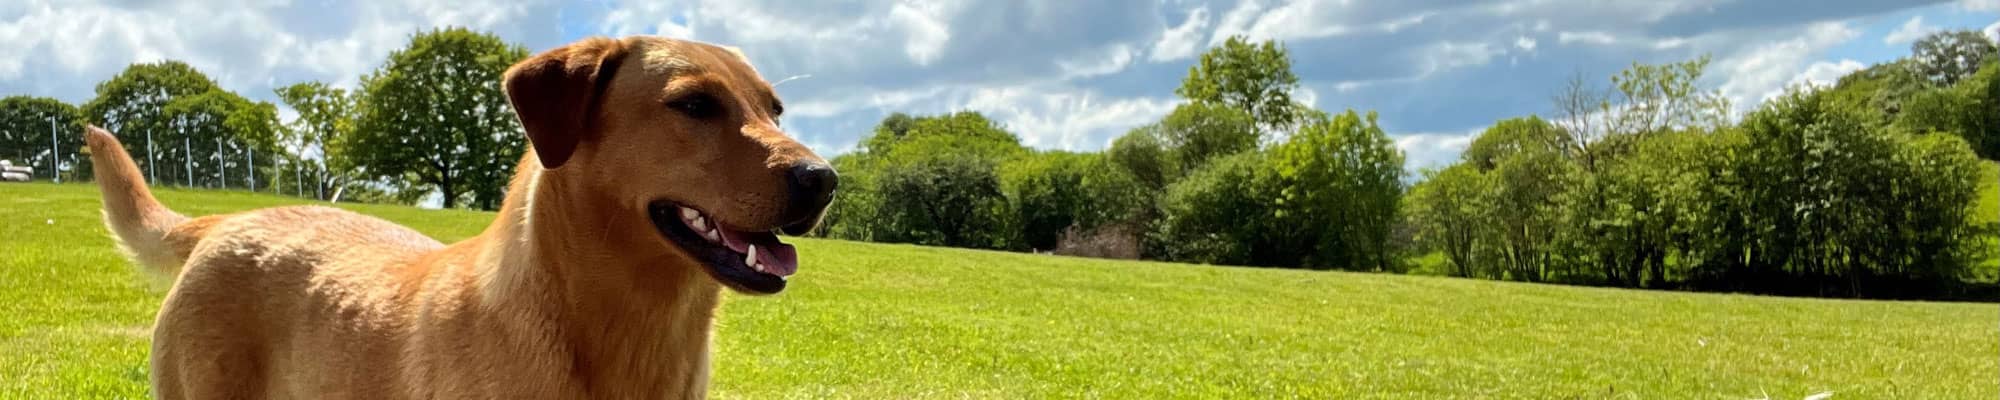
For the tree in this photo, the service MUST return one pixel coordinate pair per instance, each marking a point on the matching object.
(940, 191)
(1644, 99)
(27, 136)
(928, 180)
(1948, 56)
(1659, 204)
(893, 128)
(215, 129)
(1196, 132)
(1985, 91)
(1226, 213)
(1452, 210)
(1528, 175)
(1665, 97)
(1880, 89)
(1054, 192)
(326, 114)
(1342, 182)
(1256, 78)
(1511, 137)
(133, 104)
(1931, 240)
(854, 216)
(434, 117)
(1835, 202)
(985, 134)
(1965, 110)
(1045, 190)
(1140, 153)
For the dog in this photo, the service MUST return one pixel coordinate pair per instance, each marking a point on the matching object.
(656, 175)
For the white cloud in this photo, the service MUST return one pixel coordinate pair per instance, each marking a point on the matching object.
(797, 39)
(925, 28)
(1434, 59)
(1910, 31)
(861, 99)
(1524, 43)
(654, 18)
(1591, 37)
(1993, 31)
(1045, 115)
(1021, 61)
(1063, 118)
(1316, 19)
(1670, 43)
(1237, 21)
(1347, 86)
(1980, 5)
(1113, 60)
(1824, 73)
(246, 46)
(1450, 55)
(1757, 73)
(1307, 96)
(1181, 41)
(1423, 150)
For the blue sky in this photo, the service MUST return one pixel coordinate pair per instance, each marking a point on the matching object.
(1062, 74)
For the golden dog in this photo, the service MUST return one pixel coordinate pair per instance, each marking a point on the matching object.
(658, 175)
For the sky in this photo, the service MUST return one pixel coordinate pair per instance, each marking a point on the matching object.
(1061, 74)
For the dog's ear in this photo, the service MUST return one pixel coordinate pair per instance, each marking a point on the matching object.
(556, 93)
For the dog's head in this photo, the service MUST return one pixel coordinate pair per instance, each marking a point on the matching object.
(685, 136)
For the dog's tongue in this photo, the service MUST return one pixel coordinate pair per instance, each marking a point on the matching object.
(777, 257)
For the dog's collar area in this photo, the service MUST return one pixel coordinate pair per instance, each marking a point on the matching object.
(750, 262)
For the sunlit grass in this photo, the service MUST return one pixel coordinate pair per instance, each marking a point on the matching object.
(890, 321)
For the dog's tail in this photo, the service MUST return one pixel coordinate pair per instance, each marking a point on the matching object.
(142, 225)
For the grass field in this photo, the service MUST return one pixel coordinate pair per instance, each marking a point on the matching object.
(888, 321)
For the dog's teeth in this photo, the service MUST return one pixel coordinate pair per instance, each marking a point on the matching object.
(700, 224)
(711, 235)
(750, 257)
(689, 213)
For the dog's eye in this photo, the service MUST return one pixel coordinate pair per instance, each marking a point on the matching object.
(777, 111)
(697, 106)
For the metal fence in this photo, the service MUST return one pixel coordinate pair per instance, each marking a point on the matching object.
(230, 166)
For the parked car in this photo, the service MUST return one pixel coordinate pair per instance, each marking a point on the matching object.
(11, 173)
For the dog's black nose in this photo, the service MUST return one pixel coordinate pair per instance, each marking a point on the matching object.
(813, 184)
(814, 181)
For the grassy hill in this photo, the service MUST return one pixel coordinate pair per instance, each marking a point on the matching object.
(889, 321)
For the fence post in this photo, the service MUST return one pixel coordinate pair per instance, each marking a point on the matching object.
(187, 155)
(55, 153)
(221, 172)
(152, 162)
(250, 167)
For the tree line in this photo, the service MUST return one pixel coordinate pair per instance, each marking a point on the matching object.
(1240, 174)
(1866, 188)
(432, 120)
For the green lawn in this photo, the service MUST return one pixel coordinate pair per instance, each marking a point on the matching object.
(888, 321)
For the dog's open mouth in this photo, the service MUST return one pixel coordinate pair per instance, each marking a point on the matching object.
(751, 262)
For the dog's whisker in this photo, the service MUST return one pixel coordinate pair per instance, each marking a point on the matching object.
(790, 78)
